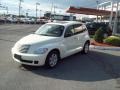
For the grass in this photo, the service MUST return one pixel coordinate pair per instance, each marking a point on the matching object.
(113, 40)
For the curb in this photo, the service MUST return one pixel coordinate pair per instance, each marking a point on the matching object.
(105, 48)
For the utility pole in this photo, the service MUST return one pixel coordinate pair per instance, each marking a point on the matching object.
(116, 20)
(37, 10)
(0, 2)
(55, 7)
(111, 15)
(51, 11)
(97, 9)
(19, 9)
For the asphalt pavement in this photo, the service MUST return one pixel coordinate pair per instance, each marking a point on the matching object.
(98, 70)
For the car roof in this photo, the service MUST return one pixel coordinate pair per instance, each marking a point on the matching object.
(65, 23)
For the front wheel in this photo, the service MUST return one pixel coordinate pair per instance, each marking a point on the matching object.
(52, 59)
(86, 48)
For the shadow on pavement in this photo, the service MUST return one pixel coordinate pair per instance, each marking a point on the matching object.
(95, 66)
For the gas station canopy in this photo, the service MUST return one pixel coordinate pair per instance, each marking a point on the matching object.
(89, 11)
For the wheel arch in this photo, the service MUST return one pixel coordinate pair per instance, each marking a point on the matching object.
(88, 41)
(57, 50)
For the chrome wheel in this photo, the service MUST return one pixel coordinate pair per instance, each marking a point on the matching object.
(53, 60)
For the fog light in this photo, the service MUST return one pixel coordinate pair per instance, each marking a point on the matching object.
(35, 62)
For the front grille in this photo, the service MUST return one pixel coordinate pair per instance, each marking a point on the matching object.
(19, 58)
(26, 61)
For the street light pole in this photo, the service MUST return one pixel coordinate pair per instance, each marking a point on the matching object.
(36, 12)
(7, 10)
(27, 13)
(97, 4)
(40, 12)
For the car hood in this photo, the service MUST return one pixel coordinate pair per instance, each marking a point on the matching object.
(35, 39)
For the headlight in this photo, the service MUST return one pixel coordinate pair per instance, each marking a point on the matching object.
(23, 48)
(41, 51)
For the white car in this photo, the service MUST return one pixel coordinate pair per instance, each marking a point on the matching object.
(52, 42)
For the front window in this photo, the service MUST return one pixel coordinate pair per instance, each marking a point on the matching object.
(50, 30)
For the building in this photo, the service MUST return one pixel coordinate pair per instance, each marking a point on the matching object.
(63, 17)
(107, 11)
(113, 6)
(60, 17)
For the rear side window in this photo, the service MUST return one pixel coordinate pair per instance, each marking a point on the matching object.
(79, 28)
(75, 29)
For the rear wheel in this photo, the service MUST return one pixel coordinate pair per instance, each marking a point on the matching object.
(52, 59)
(85, 48)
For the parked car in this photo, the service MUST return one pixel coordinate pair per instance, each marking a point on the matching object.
(41, 21)
(2, 21)
(31, 20)
(52, 42)
(93, 27)
(11, 20)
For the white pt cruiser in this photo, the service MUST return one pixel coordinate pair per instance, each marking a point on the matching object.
(52, 42)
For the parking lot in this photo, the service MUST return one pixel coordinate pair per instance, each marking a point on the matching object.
(98, 70)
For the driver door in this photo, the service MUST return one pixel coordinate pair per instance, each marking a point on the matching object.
(69, 40)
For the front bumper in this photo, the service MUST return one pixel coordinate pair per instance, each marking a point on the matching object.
(29, 59)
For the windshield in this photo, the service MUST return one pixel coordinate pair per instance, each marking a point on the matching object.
(50, 30)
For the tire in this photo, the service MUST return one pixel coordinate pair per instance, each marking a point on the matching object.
(86, 48)
(52, 59)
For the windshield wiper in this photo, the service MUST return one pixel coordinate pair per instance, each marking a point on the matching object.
(44, 34)
(48, 35)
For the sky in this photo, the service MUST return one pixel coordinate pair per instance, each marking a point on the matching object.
(45, 5)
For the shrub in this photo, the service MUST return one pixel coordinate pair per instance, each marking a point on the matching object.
(99, 35)
(113, 40)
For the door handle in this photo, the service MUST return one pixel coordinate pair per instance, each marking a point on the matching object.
(76, 38)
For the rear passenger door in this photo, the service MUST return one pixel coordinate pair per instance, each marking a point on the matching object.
(80, 33)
